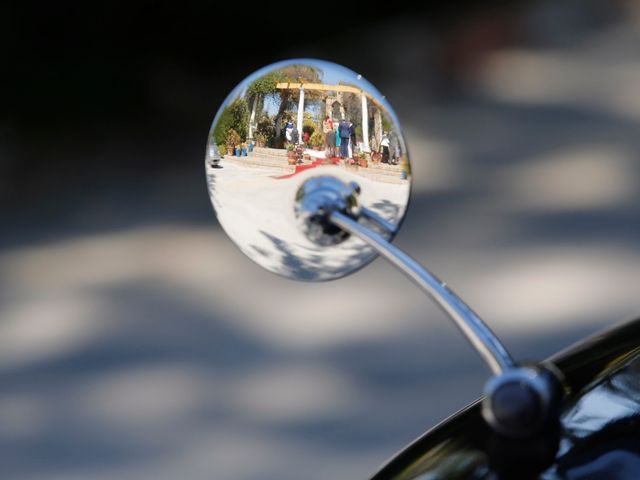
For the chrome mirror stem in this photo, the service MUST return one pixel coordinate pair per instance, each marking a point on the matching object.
(470, 324)
(520, 401)
(382, 223)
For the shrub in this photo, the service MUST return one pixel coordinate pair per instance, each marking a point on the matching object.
(234, 116)
(266, 128)
(233, 138)
(316, 140)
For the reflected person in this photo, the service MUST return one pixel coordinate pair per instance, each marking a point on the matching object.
(384, 143)
(329, 137)
(352, 138)
(288, 129)
(345, 133)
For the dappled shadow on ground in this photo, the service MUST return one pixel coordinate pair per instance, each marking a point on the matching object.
(180, 363)
(137, 343)
(166, 376)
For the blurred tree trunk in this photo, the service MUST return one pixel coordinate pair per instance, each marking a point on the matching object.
(377, 128)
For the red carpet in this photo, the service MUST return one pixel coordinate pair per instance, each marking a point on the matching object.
(302, 168)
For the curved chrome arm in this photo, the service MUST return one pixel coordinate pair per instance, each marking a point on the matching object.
(520, 401)
(378, 220)
(474, 329)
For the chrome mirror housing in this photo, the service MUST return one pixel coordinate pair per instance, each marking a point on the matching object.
(287, 130)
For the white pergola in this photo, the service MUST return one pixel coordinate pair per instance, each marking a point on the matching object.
(301, 87)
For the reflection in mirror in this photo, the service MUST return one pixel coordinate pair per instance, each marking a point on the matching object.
(285, 124)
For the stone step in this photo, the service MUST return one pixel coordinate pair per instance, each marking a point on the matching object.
(267, 155)
(384, 173)
(277, 152)
(260, 161)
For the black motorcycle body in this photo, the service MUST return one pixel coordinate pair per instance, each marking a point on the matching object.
(598, 438)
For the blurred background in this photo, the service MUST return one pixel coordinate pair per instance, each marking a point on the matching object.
(136, 342)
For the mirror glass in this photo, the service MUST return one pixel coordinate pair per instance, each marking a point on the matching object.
(285, 124)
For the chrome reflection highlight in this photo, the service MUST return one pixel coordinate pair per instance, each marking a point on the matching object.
(316, 200)
(289, 123)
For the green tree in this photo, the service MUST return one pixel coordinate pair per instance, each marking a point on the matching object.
(236, 116)
(295, 73)
(352, 104)
(258, 90)
(263, 86)
(266, 128)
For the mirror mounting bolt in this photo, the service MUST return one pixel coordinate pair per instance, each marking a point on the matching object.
(522, 401)
(317, 199)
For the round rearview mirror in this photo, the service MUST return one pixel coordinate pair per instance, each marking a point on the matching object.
(280, 128)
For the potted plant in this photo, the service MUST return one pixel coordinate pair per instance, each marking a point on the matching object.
(243, 149)
(261, 140)
(291, 153)
(222, 148)
(233, 139)
(250, 146)
(316, 140)
(363, 161)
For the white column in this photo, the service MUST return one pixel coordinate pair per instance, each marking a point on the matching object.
(365, 123)
(300, 112)
(252, 120)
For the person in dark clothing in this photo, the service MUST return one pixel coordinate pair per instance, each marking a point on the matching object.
(352, 137)
(329, 137)
(345, 134)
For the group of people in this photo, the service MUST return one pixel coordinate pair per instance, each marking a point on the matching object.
(292, 135)
(340, 140)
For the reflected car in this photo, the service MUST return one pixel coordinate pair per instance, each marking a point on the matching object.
(213, 155)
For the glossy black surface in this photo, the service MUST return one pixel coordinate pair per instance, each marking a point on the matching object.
(598, 436)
